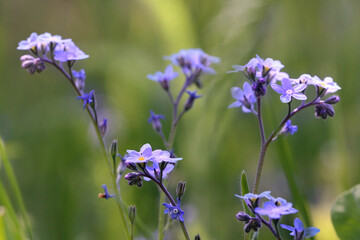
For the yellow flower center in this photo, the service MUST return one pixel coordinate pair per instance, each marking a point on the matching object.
(141, 158)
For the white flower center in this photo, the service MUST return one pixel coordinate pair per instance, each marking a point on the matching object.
(289, 91)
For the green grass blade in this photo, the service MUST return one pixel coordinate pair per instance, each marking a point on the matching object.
(15, 188)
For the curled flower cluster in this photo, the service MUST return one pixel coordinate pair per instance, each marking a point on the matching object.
(263, 73)
(274, 209)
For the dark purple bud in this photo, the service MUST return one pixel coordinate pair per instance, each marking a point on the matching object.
(165, 84)
(197, 237)
(332, 100)
(131, 166)
(323, 110)
(190, 102)
(134, 179)
(253, 224)
(259, 88)
(103, 127)
(180, 190)
(132, 214)
(243, 217)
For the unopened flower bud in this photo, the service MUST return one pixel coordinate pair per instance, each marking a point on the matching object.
(197, 237)
(132, 214)
(243, 217)
(332, 100)
(154, 119)
(113, 149)
(131, 166)
(253, 224)
(32, 64)
(259, 87)
(103, 127)
(323, 110)
(180, 190)
(134, 179)
(190, 102)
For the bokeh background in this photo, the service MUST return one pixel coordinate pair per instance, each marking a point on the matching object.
(57, 159)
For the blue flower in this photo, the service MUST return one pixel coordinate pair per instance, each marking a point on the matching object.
(29, 43)
(87, 98)
(269, 64)
(106, 194)
(145, 154)
(79, 75)
(328, 84)
(192, 60)
(288, 128)
(287, 91)
(190, 102)
(154, 119)
(253, 64)
(244, 98)
(276, 210)
(252, 199)
(164, 78)
(299, 231)
(68, 51)
(163, 156)
(155, 170)
(174, 211)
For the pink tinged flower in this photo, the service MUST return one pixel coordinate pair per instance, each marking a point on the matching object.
(328, 84)
(144, 155)
(244, 98)
(288, 91)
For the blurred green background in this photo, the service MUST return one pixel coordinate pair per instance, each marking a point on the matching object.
(53, 148)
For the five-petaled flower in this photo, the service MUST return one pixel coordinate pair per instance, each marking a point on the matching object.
(174, 211)
(328, 84)
(288, 128)
(68, 51)
(244, 98)
(276, 209)
(288, 91)
(252, 200)
(299, 231)
(145, 154)
(164, 78)
(87, 98)
(106, 194)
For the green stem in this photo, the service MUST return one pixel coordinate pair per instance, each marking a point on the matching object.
(161, 221)
(94, 121)
(15, 186)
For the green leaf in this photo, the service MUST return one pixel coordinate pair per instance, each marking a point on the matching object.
(345, 214)
(244, 190)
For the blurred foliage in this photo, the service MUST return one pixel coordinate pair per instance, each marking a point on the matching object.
(52, 144)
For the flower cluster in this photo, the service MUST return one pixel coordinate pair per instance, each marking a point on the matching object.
(193, 63)
(263, 73)
(274, 209)
(148, 165)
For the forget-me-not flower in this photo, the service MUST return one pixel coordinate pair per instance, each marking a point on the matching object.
(87, 98)
(164, 78)
(190, 101)
(145, 154)
(106, 194)
(174, 211)
(68, 51)
(288, 128)
(276, 210)
(252, 199)
(154, 119)
(299, 231)
(288, 91)
(244, 98)
(328, 84)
